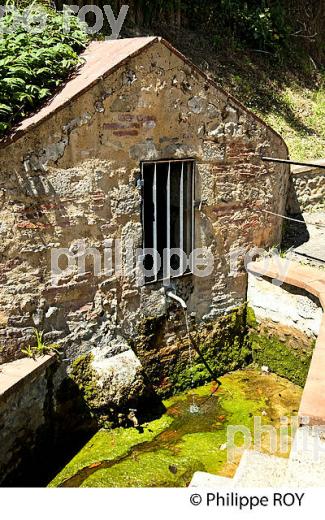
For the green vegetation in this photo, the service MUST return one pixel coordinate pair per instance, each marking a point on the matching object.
(171, 448)
(224, 347)
(85, 378)
(285, 356)
(280, 358)
(222, 344)
(110, 445)
(34, 63)
(40, 348)
(258, 23)
(304, 129)
(278, 27)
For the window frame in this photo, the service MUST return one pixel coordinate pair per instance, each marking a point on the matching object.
(191, 161)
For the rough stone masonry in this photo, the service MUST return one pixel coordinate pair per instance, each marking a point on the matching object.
(70, 173)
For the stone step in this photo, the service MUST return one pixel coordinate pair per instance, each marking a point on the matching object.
(260, 470)
(208, 480)
(255, 470)
(303, 474)
(306, 467)
(309, 445)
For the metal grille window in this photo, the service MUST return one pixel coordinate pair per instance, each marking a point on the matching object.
(167, 217)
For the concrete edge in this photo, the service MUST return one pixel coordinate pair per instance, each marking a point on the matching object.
(16, 373)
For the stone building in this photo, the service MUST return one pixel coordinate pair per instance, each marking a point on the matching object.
(140, 149)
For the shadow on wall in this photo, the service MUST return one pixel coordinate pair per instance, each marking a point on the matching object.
(294, 234)
(39, 451)
(47, 418)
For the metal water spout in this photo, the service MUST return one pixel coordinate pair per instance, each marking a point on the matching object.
(132, 417)
(177, 299)
(170, 294)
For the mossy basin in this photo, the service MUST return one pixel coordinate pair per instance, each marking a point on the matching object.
(167, 451)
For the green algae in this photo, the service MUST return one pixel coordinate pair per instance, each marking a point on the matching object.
(147, 469)
(224, 346)
(110, 445)
(250, 318)
(286, 356)
(170, 449)
(85, 378)
(270, 351)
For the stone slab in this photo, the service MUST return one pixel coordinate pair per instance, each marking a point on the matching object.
(17, 372)
(260, 470)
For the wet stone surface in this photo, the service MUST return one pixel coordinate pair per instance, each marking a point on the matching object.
(167, 451)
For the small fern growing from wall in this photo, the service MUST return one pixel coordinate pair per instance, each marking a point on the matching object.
(40, 348)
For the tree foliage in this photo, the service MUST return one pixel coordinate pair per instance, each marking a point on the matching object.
(280, 27)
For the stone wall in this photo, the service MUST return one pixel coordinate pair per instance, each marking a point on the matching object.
(73, 177)
(42, 418)
(307, 189)
(284, 322)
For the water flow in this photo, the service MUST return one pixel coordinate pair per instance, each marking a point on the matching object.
(193, 407)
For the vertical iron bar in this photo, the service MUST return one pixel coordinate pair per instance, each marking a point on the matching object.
(142, 207)
(193, 208)
(181, 217)
(140, 260)
(188, 209)
(154, 190)
(168, 222)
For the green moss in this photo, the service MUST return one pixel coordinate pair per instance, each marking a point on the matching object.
(280, 357)
(224, 346)
(237, 401)
(85, 377)
(287, 352)
(173, 447)
(150, 470)
(250, 318)
(205, 447)
(110, 445)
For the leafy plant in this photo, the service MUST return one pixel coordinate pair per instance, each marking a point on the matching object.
(33, 63)
(29, 352)
(40, 348)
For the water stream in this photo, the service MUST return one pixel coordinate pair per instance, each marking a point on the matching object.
(194, 408)
(167, 451)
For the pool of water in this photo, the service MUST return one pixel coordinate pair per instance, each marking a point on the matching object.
(167, 451)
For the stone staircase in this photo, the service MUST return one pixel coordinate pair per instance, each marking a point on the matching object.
(304, 468)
